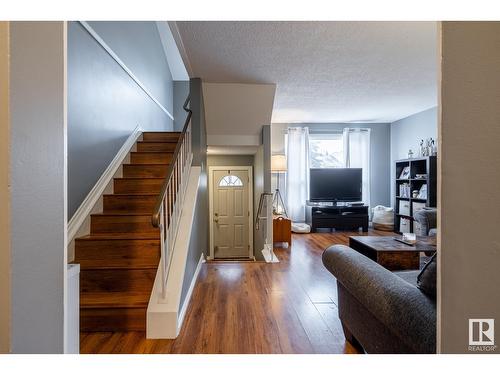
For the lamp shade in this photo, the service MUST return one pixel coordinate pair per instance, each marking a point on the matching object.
(278, 163)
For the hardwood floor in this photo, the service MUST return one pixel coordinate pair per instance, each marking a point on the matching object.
(253, 307)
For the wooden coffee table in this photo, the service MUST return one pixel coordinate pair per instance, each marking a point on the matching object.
(391, 254)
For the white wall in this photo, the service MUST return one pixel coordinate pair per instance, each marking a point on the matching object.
(235, 113)
(469, 166)
(4, 191)
(38, 185)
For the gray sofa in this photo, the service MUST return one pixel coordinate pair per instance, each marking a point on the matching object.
(381, 311)
(427, 220)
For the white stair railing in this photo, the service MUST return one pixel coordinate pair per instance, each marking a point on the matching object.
(168, 207)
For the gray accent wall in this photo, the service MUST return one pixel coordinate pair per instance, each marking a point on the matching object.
(380, 155)
(230, 160)
(181, 92)
(198, 242)
(105, 104)
(37, 186)
(138, 45)
(262, 183)
(407, 133)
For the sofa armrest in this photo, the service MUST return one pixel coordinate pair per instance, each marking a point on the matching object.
(427, 218)
(397, 304)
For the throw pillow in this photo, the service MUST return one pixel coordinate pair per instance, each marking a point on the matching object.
(427, 278)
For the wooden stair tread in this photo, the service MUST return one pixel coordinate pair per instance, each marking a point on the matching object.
(150, 132)
(98, 265)
(140, 165)
(132, 194)
(159, 141)
(121, 214)
(138, 178)
(152, 152)
(119, 236)
(113, 300)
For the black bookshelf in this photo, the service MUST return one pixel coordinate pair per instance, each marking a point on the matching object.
(417, 166)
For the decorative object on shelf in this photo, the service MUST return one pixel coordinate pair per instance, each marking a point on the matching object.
(434, 148)
(421, 149)
(427, 147)
(421, 176)
(278, 165)
(410, 153)
(405, 173)
(422, 194)
(414, 193)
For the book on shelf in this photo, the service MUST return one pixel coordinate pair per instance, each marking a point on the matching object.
(405, 173)
(422, 193)
(404, 190)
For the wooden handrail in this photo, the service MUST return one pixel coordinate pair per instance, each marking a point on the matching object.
(155, 218)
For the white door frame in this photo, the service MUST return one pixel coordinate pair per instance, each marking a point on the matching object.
(211, 171)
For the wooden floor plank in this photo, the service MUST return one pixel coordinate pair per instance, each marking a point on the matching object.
(253, 307)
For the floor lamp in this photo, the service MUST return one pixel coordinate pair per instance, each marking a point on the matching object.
(278, 165)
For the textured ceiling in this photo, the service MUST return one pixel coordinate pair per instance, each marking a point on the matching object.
(324, 71)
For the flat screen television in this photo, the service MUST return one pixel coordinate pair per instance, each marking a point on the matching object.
(335, 184)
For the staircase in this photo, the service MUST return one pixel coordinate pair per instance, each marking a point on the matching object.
(119, 258)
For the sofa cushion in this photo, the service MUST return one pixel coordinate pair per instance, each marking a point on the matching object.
(427, 278)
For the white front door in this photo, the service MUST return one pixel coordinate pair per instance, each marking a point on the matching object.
(231, 213)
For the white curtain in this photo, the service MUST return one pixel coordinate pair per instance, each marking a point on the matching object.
(297, 186)
(357, 155)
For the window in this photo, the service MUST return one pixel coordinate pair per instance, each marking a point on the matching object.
(230, 180)
(326, 150)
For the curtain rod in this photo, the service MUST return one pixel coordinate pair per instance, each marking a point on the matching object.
(333, 131)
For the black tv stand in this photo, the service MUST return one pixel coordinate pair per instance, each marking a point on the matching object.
(321, 215)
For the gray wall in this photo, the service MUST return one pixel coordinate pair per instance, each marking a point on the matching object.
(379, 154)
(230, 160)
(104, 104)
(5, 262)
(407, 133)
(469, 163)
(181, 91)
(258, 176)
(262, 183)
(37, 183)
(198, 243)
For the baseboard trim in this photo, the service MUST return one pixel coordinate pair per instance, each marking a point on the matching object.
(93, 196)
(185, 305)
